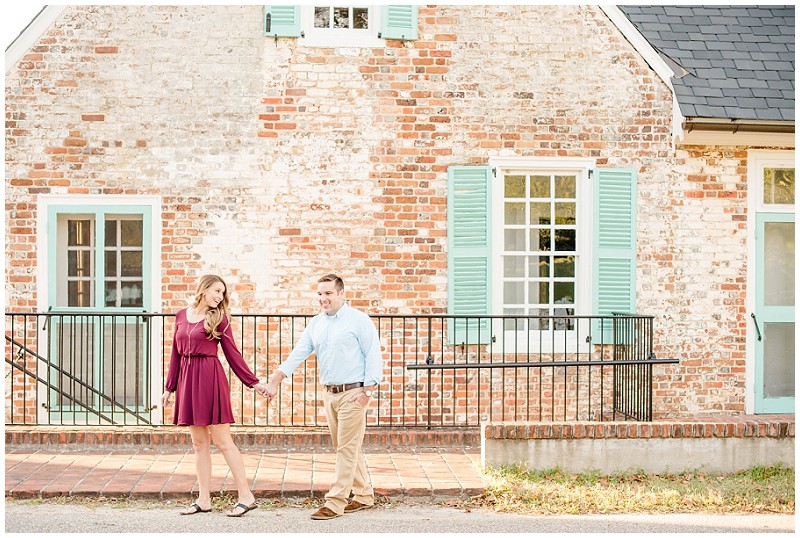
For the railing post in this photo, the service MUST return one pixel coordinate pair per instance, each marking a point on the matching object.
(429, 360)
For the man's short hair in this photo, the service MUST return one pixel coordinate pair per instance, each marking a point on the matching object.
(338, 283)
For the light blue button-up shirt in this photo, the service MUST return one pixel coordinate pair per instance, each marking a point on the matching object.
(347, 347)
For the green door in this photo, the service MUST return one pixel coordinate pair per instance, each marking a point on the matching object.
(98, 281)
(774, 313)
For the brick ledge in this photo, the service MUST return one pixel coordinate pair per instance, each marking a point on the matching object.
(777, 426)
(165, 437)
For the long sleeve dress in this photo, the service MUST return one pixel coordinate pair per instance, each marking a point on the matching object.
(195, 372)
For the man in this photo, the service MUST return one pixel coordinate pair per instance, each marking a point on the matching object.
(348, 352)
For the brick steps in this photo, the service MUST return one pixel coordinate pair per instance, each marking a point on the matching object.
(264, 438)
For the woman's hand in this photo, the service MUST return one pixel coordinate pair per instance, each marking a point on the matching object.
(260, 388)
(165, 398)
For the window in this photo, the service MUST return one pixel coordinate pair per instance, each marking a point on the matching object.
(778, 186)
(543, 238)
(77, 257)
(345, 18)
(331, 26)
(540, 256)
(341, 26)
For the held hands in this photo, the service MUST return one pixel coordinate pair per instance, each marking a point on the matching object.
(271, 390)
(260, 388)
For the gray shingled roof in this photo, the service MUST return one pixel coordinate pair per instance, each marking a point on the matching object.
(740, 59)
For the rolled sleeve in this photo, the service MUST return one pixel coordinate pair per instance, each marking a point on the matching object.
(371, 348)
(301, 352)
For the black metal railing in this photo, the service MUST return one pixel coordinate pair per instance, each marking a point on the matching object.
(68, 368)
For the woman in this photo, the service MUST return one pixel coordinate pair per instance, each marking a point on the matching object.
(203, 399)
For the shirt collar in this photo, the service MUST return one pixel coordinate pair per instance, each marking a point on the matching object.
(338, 313)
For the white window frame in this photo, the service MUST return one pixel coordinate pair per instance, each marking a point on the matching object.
(518, 340)
(341, 37)
(757, 160)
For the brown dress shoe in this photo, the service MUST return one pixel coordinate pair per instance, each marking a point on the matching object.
(355, 506)
(324, 513)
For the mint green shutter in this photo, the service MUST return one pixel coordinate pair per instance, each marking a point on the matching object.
(614, 252)
(468, 252)
(399, 22)
(282, 21)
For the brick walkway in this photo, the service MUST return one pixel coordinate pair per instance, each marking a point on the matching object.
(31, 472)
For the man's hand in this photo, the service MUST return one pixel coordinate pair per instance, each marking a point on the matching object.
(361, 398)
(274, 385)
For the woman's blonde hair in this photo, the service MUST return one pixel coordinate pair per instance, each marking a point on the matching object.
(214, 316)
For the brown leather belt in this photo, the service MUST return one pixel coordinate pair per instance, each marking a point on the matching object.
(336, 389)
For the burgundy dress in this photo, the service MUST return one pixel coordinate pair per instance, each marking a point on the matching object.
(203, 395)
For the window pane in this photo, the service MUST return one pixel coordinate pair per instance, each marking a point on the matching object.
(79, 233)
(341, 17)
(514, 240)
(131, 233)
(565, 187)
(515, 213)
(111, 233)
(564, 292)
(539, 266)
(540, 324)
(540, 213)
(779, 185)
(131, 293)
(564, 266)
(322, 17)
(360, 18)
(563, 324)
(565, 240)
(778, 360)
(540, 186)
(540, 240)
(779, 264)
(111, 293)
(514, 324)
(539, 293)
(513, 292)
(131, 263)
(514, 266)
(565, 213)
(111, 262)
(79, 293)
(515, 187)
(79, 263)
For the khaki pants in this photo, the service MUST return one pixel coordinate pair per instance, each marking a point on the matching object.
(347, 422)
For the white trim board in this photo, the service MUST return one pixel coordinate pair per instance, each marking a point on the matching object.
(31, 34)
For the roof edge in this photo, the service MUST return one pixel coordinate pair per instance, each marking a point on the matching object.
(642, 45)
(722, 132)
(31, 34)
(722, 124)
(651, 56)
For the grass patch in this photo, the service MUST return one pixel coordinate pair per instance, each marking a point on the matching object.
(519, 489)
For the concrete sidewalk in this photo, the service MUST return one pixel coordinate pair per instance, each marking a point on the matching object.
(35, 473)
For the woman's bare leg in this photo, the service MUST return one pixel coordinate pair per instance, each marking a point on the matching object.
(201, 440)
(221, 435)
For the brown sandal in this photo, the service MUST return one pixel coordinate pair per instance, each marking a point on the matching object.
(194, 508)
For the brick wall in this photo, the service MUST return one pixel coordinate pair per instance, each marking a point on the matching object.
(276, 164)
